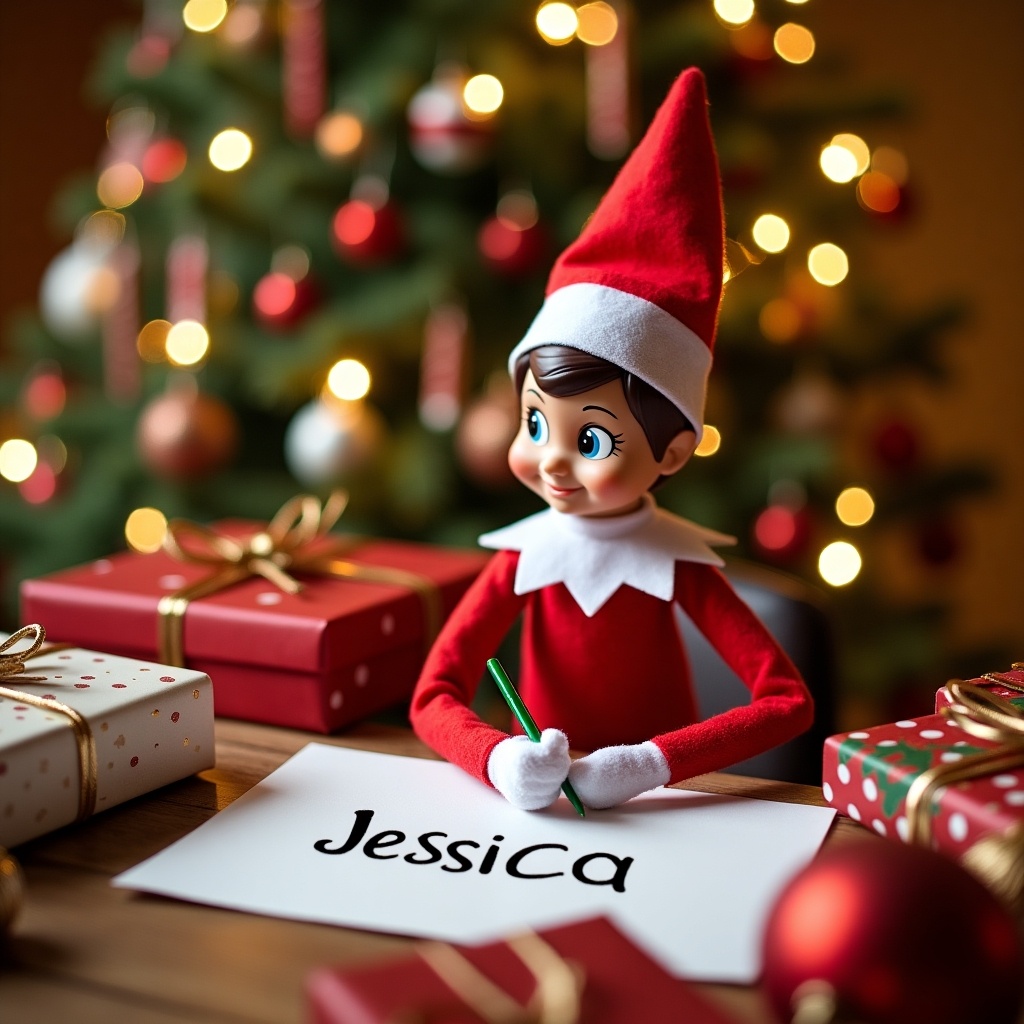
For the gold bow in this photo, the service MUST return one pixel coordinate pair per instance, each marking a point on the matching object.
(12, 666)
(995, 858)
(555, 998)
(284, 547)
(12, 663)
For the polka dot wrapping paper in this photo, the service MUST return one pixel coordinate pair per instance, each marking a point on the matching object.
(328, 656)
(867, 775)
(151, 726)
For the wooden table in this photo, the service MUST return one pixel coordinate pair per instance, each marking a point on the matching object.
(83, 951)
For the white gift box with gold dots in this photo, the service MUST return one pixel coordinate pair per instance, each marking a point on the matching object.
(82, 731)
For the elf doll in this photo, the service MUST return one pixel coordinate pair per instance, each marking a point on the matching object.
(612, 376)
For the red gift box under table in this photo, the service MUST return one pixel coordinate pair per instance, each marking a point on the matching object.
(320, 659)
(620, 984)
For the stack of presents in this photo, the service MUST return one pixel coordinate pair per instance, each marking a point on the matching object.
(308, 629)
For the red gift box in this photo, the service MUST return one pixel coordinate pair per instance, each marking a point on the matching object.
(620, 984)
(867, 775)
(329, 655)
(1008, 685)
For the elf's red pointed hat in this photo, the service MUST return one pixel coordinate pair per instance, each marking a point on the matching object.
(641, 285)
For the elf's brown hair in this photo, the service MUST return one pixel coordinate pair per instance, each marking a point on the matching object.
(561, 371)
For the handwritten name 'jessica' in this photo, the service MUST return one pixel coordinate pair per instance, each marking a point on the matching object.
(539, 860)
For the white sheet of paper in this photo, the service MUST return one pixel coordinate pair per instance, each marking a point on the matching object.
(703, 875)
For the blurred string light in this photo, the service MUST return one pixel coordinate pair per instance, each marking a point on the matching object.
(780, 320)
(771, 232)
(104, 228)
(204, 15)
(339, 135)
(18, 459)
(45, 394)
(292, 260)
(828, 264)
(482, 95)
(53, 451)
(839, 563)
(856, 146)
(597, 23)
(556, 23)
(710, 442)
(230, 149)
(838, 164)
(855, 506)
(794, 43)
(119, 185)
(734, 13)
(348, 380)
(151, 343)
(145, 529)
(187, 343)
(242, 24)
(878, 192)
(890, 161)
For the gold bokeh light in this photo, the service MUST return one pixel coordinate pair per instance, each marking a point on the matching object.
(734, 13)
(18, 459)
(771, 232)
(204, 15)
(828, 264)
(855, 506)
(348, 380)
(557, 23)
(230, 149)
(838, 163)
(839, 563)
(145, 529)
(119, 185)
(339, 135)
(857, 146)
(151, 344)
(794, 43)
(187, 343)
(780, 320)
(482, 95)
(710, 442)
(598, 23)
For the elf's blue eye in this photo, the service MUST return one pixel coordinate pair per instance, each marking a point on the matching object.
(595, 443)
(537, 426)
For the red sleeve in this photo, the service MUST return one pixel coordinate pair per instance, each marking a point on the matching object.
(440, 711)
(780, 706)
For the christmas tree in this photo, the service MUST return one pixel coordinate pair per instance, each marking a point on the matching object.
(318, 228)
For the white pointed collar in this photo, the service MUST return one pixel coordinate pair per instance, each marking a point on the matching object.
(594, 557)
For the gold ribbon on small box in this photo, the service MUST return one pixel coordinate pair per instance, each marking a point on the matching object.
(284, 547)
(997, 859)
(12, 667)
(558, 985)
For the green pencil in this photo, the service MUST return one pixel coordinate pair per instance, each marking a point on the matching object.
(522, 713)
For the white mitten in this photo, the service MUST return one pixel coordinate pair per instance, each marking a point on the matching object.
(612, 775)
(527, 774)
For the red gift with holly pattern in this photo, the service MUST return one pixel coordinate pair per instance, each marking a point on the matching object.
(953, 780)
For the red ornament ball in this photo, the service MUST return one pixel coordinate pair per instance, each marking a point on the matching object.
(366, 234)
(443, 134)
(280, 302)
(184, 435)
(894, 935)
(163, 160)
(897, 446)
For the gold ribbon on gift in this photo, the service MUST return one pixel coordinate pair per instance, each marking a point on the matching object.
(998, 858)
(555, 998)
(285, 547)
(12, 667)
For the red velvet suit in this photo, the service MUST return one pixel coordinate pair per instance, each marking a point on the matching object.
(619, 676)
